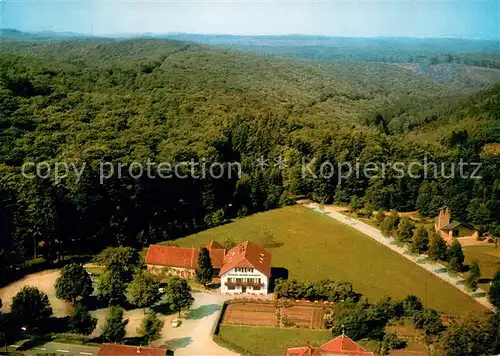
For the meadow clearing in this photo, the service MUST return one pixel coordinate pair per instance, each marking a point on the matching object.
(312, 247)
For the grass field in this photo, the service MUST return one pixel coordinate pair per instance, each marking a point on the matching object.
(488, 257)
(312, 246)
(271, 341)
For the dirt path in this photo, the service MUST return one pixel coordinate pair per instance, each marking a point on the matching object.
(435, 268)
(45, 282)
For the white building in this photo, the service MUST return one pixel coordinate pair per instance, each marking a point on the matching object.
(246, 269)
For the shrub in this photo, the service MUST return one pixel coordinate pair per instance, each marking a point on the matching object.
(392, 342)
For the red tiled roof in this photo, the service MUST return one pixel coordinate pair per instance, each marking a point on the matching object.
(341, 345)
(213, 245)
(217, 257)
(172, 256)
(247, 254)
(344, 344)
(123, 350)
(185, 257)
(306, 351)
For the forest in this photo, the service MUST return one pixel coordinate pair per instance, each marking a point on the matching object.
(87, 100)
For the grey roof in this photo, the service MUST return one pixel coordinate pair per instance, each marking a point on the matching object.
(454, 224)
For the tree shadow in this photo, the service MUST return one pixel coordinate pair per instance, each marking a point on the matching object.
(56, 325)
(273, 244)
(35, 341)
(277, 273)
(94, 303)
(212, 286)
(163, 309)
(177, 343)
(135, 341)
(203, 311)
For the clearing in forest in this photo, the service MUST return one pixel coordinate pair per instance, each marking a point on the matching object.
(310, 246)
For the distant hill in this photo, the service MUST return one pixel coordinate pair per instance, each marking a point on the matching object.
(91, 100)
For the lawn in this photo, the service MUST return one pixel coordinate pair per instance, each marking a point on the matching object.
(313, 246)
(271, 341)
(489, 261)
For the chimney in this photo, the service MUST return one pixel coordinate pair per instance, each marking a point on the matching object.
(444, 218)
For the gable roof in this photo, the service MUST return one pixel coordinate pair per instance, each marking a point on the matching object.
(306, 351)
(213, 245)
(185, 257)
(341, 345)
(217, 257)
(123, 350)
(247, 254)
(454, 224)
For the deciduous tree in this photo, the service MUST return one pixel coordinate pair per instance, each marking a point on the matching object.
(437, 247)
(151, 327)
(405, 230)
(74, 283)
(31, 307)
(455, 256)
(473, 276)
(427, 320)
(111, 287)
(143, 290)
(122, 259)
(114, 328)
(411, 305)
(420, 240)
(494, 292)
(178, 294)
(81, 322)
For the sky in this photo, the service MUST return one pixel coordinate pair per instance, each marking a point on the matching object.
(462, 18)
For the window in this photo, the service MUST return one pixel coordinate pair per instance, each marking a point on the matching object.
(256, 287)
(230, 287)
(456, 232)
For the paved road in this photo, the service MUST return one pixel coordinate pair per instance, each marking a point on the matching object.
(59, 349)
(194, 336)
(435, 268)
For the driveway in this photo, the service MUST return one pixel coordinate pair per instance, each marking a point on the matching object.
(435, 268)
(194, 336)
(45, 282)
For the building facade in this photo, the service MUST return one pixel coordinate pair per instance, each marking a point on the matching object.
(182, 261)
(450, 230)
(244, 280)
(246, 269)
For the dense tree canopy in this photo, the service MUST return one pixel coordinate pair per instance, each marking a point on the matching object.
(92, 104)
